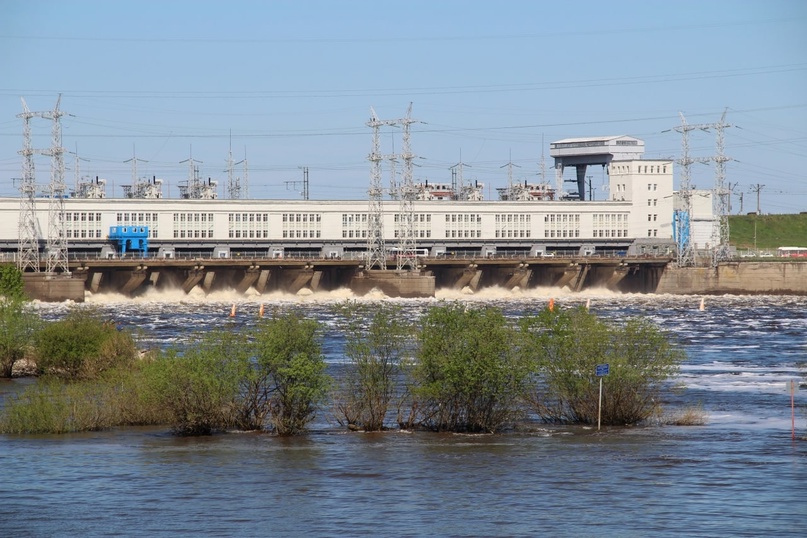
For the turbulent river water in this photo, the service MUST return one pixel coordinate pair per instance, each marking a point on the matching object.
(741, 474)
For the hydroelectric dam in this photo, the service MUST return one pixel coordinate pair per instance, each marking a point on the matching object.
(134, 276)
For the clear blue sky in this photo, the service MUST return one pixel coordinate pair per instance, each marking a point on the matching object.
(293, 81)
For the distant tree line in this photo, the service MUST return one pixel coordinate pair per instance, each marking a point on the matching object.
(458, 368)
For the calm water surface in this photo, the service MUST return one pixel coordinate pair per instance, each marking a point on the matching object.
(739, 475)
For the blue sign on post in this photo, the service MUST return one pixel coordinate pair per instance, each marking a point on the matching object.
(602, 370)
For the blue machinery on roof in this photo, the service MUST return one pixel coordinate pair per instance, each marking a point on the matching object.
(130, 238)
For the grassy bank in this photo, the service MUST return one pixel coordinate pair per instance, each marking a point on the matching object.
(771, 231)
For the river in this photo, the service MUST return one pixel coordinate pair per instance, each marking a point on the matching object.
(738, 475)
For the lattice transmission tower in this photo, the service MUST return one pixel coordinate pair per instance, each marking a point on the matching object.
(683, 217)
(720, 196)
(722, 201)
(56, 250)
(407, 235)
(376, 250)
(28, 247)
(56, 246)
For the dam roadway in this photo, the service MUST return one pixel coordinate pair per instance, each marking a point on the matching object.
(133, 276)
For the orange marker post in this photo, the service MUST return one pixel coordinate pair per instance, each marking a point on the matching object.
(551, 305)
(232, 311)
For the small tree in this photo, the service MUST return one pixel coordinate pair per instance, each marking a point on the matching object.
(18, 324)
(376, 340)
(469, 374)
(289, 353)
(82, 346)
(568, 345)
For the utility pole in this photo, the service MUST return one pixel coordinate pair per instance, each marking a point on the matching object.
(590, 190)
(757, 188)
(731, 188)
(304, 183)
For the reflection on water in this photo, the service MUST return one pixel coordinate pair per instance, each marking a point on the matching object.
(738, 475)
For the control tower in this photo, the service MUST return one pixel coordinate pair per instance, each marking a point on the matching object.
(582, 152)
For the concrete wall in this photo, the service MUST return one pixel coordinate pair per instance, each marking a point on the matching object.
(53, 288)
(739, 278)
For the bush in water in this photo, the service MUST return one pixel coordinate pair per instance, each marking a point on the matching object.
(289, 354)
(376, 340)
(469, 374)
(199, 387)
(119, 398)
(82, 346)
(567, 345)
(18, 324)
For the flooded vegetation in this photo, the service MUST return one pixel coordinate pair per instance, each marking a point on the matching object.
(738, 471)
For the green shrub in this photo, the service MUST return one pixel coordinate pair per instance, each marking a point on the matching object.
(11, 284)
(52, 406)
(289, 355)
(568, 345)
(376, 341)
(199, 388)
(82, 346)
(470, 376)
(18, 324)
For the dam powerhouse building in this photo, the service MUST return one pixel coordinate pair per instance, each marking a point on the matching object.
(532, 220)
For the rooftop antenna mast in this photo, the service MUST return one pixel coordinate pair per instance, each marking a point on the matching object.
(456, 179)
(246, 174)
(57, 237)
(510, 166)
(233, 183)
(133, 190)
(28, 256)
(376, 251)
(722, 201)
(193, 189)
(543, 162)
(407, 242)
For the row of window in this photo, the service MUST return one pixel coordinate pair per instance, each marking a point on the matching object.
(610, 225)
(641, 169)
(193, 225)
(302, 218)
(248, 225)
(138, 219)
(83, 234)
(133, 219)
(561, 225)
